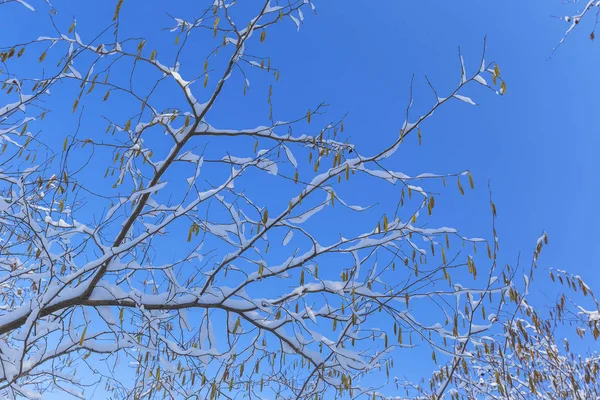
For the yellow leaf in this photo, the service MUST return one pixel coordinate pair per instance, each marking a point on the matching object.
(117, 10)
(83, 336)
(471, 183)
(43, 56)
(385, 223)
(308, 116)
(93, 85)
(106, 95)
(496, 70)
(72, 27)
(460, 188)
(265, 217)
(205, 80)
(65, 144)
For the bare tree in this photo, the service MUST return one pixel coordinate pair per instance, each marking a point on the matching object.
(584, 11)
(164, 257)
(532, 357)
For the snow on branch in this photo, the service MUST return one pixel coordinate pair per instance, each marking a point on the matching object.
(204, 261)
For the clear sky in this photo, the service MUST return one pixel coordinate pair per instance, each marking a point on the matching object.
(537, 145)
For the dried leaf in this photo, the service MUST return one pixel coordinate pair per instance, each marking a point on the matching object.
(460, 188)
(471, 183)
(83, 336)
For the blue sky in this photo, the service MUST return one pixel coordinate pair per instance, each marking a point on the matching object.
(537, 145)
